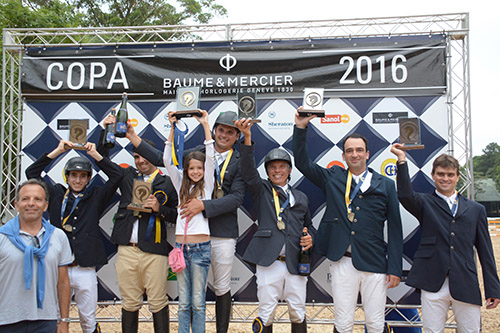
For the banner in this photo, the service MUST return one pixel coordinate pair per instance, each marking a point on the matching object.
(377, 66)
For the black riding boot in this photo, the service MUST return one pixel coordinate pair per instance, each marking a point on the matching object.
(223, 312)
(161, 321)
(268, 329)
(130, 321)
(299, 327)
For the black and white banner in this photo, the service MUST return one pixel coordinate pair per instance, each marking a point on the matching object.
(377, 66)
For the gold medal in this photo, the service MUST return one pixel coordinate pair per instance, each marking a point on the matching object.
(219, 193)
(281, 225)
(350, 216)
(68, 227)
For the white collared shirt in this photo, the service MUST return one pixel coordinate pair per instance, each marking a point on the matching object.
(366, 183)
(449, 200)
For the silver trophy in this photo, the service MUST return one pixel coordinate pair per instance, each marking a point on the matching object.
(312, 103)
(188, 102)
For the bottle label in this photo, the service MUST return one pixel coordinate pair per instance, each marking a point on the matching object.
(110, 137)
(121, 127)
(304, 268)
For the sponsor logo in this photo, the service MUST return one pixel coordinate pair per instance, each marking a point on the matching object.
(134, 122)
(335, 119)
(387, 117)
(272, 114)
(227, 62)
(338, 163)
(388, 168)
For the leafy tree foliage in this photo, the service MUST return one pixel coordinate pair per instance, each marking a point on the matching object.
(488, 164)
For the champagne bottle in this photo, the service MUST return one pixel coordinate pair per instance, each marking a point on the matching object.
(304, 258)
(109, 133)
(122, 118)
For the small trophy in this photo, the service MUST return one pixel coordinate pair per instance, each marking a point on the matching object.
(140, 193)
(78, 133)
(312, 103)
(409, 133)
(188, 102)
(247, 106)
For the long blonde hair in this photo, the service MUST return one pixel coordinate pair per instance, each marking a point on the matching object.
(189, 189)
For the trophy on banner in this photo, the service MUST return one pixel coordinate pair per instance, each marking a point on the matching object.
(188, 102)
(312, 103)
(78, 133)
(247, 106)
(409, 133)
(140, 193)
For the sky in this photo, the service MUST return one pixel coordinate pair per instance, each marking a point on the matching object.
(484, 47)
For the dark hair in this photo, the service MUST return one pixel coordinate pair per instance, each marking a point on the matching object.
(34, 181)
(354, 136)
(149, 142)
(189, 189)
(445, 161)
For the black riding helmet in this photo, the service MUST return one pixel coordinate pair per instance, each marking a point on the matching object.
(78, 163)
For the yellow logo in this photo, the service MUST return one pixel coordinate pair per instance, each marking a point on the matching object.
(388, 167)
(134, 122)
(345, 119)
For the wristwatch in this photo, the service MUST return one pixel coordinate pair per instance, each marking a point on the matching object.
(65, 320)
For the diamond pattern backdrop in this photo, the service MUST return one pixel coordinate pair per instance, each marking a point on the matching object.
(344, 116)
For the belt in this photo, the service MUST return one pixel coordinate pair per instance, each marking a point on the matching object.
(348, 254)
(281, 258)
(133, 244)
(73, 264)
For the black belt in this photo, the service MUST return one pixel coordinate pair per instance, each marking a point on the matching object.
(348, 254)
(281, 258)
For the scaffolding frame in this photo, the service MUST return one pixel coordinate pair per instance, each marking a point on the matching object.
(454, 26)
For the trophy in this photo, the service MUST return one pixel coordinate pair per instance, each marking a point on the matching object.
(247, 106)
(312, 103)
(78, 133)
(188, 102)
(409, 133)
(140, 193)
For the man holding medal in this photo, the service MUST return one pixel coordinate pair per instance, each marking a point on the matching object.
(76, 209)
(359, 202)
(221, 210)
(141, 236)
(283, 215)
(444, 267)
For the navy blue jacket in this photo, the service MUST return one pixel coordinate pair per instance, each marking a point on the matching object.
(372, 209)
(221, 212)
(268, 240)
(447, 244)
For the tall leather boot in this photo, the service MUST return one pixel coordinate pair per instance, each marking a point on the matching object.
(161, 321)
(268, 329)
(223, 312)
(335, 330)
(130, 321)
(299, 327)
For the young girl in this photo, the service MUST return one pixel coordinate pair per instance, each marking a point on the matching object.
(191, 183)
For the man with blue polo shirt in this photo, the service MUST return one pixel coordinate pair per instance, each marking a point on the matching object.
(33, 267)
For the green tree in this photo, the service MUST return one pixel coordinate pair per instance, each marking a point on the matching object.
(488, 164)
(105, 13)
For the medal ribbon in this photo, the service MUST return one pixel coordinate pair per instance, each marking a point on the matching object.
(178, 142)
(220, 173)
(65, 202)
(279, 211)
(349, 197)
(153, 220)
(455, 205)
